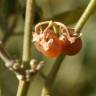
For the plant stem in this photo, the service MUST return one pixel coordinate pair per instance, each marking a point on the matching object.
(51, 76)
(23, 85)
(88, 11)
(4, 55)
(28, 30)
(22, 88)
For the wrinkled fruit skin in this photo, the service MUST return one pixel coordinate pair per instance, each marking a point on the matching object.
(55, 48)
(52, 45)
(72, 48)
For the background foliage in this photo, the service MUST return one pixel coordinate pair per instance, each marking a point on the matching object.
(77, 75)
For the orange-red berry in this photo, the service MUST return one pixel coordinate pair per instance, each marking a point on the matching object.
(48, 43)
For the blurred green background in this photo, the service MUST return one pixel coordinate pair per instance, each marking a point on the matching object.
(77, 74)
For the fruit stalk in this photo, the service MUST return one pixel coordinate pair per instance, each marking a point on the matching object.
(46, 91)
(88, 11)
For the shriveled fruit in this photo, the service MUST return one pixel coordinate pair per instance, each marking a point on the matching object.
(49, 45)
(53, 44)
(72, 44)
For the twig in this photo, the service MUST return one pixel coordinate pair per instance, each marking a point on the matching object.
(4, 55)
(8, 61)
(88, 11)
(23, 85)
(51, 77)
(28, 30)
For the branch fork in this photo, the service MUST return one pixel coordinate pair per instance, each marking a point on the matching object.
(22, 73)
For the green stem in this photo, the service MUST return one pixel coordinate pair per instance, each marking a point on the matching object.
(51, 76)
(23, 85)
(88, 11)
(28, 30)
(22, 88)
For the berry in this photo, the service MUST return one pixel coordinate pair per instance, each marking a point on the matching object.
(72, 44)
(49, 45)
(53, 44)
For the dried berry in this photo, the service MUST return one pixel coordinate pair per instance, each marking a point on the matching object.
(72, 44)
(49, 44)
(52, 43)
